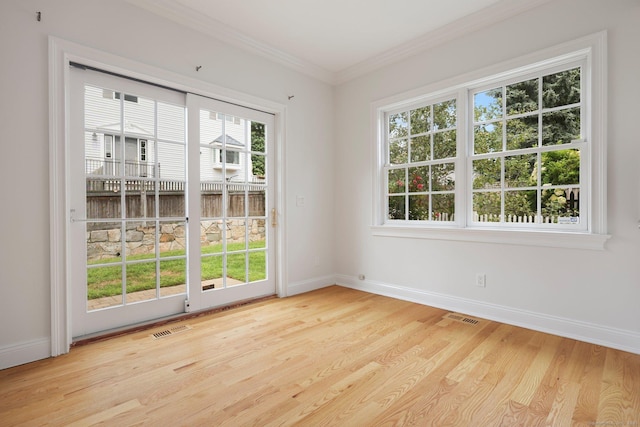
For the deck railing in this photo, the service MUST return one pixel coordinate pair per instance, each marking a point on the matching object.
(104, 176)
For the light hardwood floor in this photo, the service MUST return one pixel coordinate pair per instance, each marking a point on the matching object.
(334, 357)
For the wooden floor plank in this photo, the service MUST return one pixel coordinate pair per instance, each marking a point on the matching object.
(335, 356)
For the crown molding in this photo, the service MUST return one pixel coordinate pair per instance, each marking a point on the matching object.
(493, 14)
(184, 15)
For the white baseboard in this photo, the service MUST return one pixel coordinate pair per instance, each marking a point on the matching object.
(582, 331)
(26, 352)
(309, 285)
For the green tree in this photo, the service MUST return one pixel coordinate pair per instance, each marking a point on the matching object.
(257, 144)
(560, 91)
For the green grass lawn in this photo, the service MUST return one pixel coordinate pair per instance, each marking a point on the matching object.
(107, 280)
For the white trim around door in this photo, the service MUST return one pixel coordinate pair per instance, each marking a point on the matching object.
(61, 54)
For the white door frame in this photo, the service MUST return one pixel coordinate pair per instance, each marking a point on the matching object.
(61, 53)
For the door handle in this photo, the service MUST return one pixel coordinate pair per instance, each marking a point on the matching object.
(274, 218)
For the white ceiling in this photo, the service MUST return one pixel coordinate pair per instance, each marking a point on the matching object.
(335, 40)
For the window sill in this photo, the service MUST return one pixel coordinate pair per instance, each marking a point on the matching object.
(509, 237)
(229, 166)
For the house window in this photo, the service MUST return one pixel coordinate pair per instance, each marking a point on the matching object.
(108, 146)
(519, 149)
(143, 150)
(220, 116)
(229, 157)
(526, 160)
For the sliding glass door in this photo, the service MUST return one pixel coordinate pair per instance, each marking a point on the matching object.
(165, 216)
(235, 240)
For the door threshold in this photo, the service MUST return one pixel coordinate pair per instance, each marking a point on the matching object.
(112, 333)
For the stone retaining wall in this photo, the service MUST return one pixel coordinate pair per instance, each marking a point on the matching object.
(141, 239)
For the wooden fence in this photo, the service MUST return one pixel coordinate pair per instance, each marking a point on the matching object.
(524, 219)
(104, 199)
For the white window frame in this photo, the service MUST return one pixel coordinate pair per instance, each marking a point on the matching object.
(220, 160)
(591, 50)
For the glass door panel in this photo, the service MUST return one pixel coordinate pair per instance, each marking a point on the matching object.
(129, 201)
(236, 246)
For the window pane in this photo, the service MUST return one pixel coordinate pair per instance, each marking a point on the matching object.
(444, 115)
(256, 201)
(421, 148)
(104, 287)
(486, 206)
(171, 122)
(522, 97)
(487, 138)
(258, 167)
(397, 181)
(97, 152)
(104, 199)
(257, 233)
(561, 127)
(173, 239)
(173, 277)
(421, 120)
(139, 116)
(236, 267)
(141, 277)
(418, 179)
(258, 138)
(398, 125)
(173, 161)
(236, 203)
(487, 105)
(398, 152)
(561, 88)
(443, 207)
(520, 204)
(257, 266)
(560, 202)
(102, 109)
(140, 239)
(522, 133)
(486, 173)
(396, 207)
(211, 236)
(520, 171)
(104, 242)
(443, 177)
(210, 127)
(561, 167)
(419, 207)
(444, 144)
(140, 199)
(236, 234)
(211, 272)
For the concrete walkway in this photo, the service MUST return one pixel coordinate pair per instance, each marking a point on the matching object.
(98, 303)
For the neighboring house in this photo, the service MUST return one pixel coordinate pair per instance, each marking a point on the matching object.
(103, 150)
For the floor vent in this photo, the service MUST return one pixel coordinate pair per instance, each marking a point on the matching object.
(462, 318)
(170, 331)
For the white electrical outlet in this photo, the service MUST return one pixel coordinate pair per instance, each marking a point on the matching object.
(481, 280)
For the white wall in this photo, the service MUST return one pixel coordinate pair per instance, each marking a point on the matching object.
(119, 28)
(591, 295)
